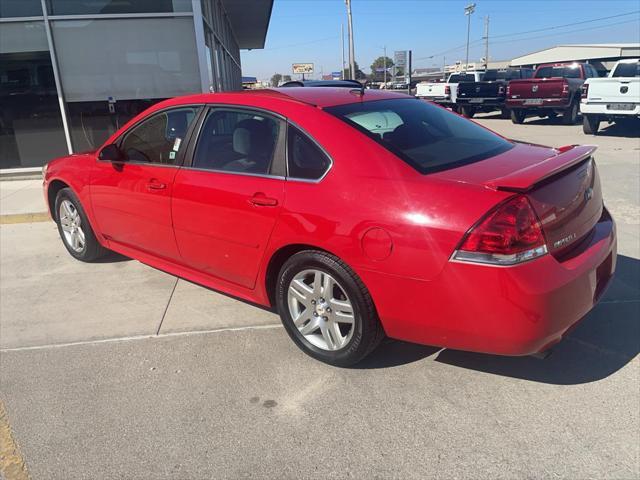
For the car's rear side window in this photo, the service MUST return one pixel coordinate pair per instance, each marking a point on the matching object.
(305, 159)
(426, 136)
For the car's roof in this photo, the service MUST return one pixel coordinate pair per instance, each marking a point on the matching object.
(318, 97)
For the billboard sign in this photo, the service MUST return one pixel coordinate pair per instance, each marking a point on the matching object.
(336, 75)
(302, 68)
(400, 59)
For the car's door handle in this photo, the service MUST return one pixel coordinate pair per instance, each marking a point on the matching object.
(261, 200)
(155, 185)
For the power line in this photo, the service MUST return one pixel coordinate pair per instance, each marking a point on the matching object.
(515, 34)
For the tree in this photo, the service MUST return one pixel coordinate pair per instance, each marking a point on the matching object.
(379, 63)
(275, 79)
(360, 75)
(286, 78)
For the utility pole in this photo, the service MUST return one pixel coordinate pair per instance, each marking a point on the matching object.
(486, 43)
(409, 74)
(385, 66)
(342, 44)
(444, 68)
(352, 61)
(468, 10)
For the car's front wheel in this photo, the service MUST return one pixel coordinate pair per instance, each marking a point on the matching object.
(326, 309)
(73, 226)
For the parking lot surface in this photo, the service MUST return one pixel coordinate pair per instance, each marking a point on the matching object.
(118, 370)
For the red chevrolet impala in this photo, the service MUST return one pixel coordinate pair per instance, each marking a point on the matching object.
(355, 214)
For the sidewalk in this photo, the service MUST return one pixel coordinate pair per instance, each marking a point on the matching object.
(21, 197)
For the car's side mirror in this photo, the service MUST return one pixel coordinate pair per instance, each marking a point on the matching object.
(112, 153)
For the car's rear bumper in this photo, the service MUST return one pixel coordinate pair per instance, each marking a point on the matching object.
(600, 108)
(518, 310)
(553, 103)
(481, 102)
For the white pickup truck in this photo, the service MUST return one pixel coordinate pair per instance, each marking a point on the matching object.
(445, 93)
(614, 98)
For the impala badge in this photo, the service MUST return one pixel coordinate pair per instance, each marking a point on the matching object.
(624, 89)
(564, 241)
(534, 88)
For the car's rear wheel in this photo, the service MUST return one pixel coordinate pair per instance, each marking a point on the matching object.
(74, 228)
(570, 115)
(518, 116)
(326, 309)
(590, 124)
(468, 112)
(505, 113)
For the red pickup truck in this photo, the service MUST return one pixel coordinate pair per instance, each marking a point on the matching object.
(555, 88)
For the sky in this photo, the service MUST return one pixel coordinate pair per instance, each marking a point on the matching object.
(308, 31)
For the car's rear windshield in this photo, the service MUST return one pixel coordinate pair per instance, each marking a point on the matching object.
(493, 75)
(566, 71)
(627, 70)
(463, 77)
(426, 136)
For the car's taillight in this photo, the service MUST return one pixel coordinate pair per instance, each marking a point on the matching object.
(508, 89)
(447, 90)
(501, 90)
(565, 89)
(508, 235)
(585, 90)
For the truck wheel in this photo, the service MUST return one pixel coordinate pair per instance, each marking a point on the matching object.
(570, 115)
(518, 116)
(590, 124)
(468, 112)
(505, 113)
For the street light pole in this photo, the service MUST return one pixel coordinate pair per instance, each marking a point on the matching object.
(352, 66)
(385, 66)
(468, 10)
(342, 45)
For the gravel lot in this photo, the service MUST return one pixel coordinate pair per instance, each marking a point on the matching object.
(117, 370)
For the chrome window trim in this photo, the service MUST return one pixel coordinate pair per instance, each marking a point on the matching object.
(322, 149)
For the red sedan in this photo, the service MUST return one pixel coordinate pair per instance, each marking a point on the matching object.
(355, 214)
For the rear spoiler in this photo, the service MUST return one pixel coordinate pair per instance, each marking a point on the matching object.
(524, 179)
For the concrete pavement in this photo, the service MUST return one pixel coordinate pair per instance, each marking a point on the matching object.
(117, 370)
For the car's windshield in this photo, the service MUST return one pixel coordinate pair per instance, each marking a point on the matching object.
(627, 70)
(426, 136)
(462, 77)
(566, 71)
(492, 75)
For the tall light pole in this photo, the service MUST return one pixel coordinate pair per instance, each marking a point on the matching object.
(385, 65)
(342, 45)
(468, 10)
(352, 61)
(486, 43)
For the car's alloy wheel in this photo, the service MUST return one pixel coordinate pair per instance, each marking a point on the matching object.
(74, 228)
(320, 309)
(326, 309)
(71, 225)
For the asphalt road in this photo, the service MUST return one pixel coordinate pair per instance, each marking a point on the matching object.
(117, 370)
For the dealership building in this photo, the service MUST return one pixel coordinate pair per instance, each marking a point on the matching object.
(73, 71)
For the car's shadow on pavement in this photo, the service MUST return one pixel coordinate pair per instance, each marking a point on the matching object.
(628, 129)
(607, 339)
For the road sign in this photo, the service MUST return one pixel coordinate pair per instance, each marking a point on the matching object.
(303, 68)
(400, 58)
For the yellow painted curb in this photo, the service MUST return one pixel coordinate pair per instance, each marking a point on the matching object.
(24, 218)
(12, 464)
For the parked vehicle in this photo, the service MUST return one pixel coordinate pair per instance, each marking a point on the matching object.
(614, 98)
(353, 214)
(346, 83)
(488, 94)
(445, 93)
(554, 89)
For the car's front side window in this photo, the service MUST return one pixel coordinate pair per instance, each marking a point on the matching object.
(159, 138)
(237, 141)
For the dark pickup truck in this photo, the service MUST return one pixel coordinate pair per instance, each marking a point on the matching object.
(489, 94)
(555, 88)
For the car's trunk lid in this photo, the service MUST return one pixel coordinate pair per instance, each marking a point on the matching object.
(537, 88)
(562, 185)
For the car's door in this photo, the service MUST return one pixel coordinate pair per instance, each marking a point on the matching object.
(227, 198)
(131, 199)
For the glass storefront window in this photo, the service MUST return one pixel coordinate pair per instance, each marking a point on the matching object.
(31, 131)
(20, 8)
(148, 59)
(93, 7)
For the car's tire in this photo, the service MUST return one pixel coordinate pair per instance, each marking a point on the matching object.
(74, 228)
(551, 115)
(590, 124)
(518, 116)
(570, 115)
(322, 327)
(505, 113)
(468, 112)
